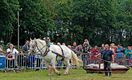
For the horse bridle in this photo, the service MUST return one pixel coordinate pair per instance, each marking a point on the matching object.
(40, 50)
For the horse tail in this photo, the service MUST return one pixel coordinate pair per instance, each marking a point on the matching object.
(75, 60)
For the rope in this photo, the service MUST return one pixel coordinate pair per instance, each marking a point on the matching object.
(106, 60)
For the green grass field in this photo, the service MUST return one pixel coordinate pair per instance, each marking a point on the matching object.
(75, 74)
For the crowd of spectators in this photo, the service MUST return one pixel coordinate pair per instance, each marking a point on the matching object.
(88, 54)
(122, 55)
(14, 57)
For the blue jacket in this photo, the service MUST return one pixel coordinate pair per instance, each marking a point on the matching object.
(119, 52)
(107, 55)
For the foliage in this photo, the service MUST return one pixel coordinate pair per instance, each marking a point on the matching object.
(34, 19)
(101, 21)
(8, 10)
(96, 17)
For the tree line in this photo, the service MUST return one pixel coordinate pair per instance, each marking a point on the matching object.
(101, 21)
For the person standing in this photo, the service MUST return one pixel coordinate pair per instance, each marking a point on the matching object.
(86, 46)
(113, 47)
(74, 46)
(94, 51)
(128, 55)
(11, 54)
(107, 56)
(25, 47)
(86, 50)
(119, 54)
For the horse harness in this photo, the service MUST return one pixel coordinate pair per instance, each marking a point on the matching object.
(59, 55)
(40, 50)
(47, 50)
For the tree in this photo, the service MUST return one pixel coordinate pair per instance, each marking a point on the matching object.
(7, 18)
(34, 18)
(67, 20)
(96, 17)
(61, 14)
(123, 21)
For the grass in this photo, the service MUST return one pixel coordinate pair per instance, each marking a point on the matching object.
(75, 74)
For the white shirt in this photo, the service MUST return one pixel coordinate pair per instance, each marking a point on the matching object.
(14, 52)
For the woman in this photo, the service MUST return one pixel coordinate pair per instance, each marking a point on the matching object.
(11, 55)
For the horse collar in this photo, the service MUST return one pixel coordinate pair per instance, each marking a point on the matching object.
(46, 51)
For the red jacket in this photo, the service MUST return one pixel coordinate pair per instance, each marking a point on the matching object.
(94, 52)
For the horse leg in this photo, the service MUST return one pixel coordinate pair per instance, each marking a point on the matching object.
(54, 67)
(55, 70)
(49, 70)
(67, 67)
(49, 67)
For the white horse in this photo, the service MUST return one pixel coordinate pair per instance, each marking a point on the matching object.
(50, 55)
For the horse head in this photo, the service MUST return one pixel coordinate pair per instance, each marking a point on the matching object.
(32, 45)
(37, 46)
